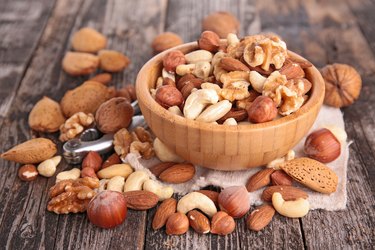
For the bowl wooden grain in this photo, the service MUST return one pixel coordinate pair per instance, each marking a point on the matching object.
(226, 147)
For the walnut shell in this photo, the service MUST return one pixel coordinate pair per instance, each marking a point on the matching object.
(343, 85)
(222, 23)
(85, 98)
(46, 116)
(114, 114)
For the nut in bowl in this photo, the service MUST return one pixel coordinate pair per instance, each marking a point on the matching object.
(229, 147)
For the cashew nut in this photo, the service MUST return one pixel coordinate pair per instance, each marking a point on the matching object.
(202, 69)
(275, 164)
(163, 192)
(208, 85)
(72, 174)
(232, 39)
(290, 155)
(198, 56)
(153, 93)
(197, 200)
(103, 185)
(159, 82)
(116, 184)
(230, 122)
(123, 170)
(48, 167)
(292, 209)
(135, 181)
(217, 57)
(257, 81)
(175, 110)
(166, 74)
(215, 111)
(184, 69)
(339, 133)
(197, 101)
(164, 153)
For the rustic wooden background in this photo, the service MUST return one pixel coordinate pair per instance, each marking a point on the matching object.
(34, 36)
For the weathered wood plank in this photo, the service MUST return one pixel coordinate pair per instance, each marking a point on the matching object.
(326, 32)
(19, 38)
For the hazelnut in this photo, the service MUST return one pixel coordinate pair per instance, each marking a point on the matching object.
(172, 60)
(107, 116)
(112, 61)
(111, 160)
(222, 23)
(168, 96)
(235, 201)
(322, 145)
(222, 223)
(263, 109)
(166, 41)
(343, 85)
(177, 223)
(210, 41)
(168, 81)
(92, 160)
(27, 172)
(88, 172)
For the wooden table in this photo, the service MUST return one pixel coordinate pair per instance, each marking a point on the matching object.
(34, 36)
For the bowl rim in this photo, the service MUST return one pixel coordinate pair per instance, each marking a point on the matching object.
(315, 98)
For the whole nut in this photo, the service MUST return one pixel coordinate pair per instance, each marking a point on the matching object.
(141, 199)
(231, 64)
(263, 109)
(88, 172)
(238, 114)
(288, 193)
(88, 40)
(168, 96)
(209, 41)
(112, 160)
(166, 41)
(104, 78)
(213, 195)
(107, 116)
(172, 60)
(177, 224)
(199, 222)
(260, 179)
(222, 23)
(291, 70)
(260, 217)
(160, 167)
(79, 63)
(178, 173)
(128, 92)
(168, 81)
(112, 61)
(235, 201)
(222, 223)
(92, 160)
(279, 177)
(322, 145)
(27, 172)
(166, 209)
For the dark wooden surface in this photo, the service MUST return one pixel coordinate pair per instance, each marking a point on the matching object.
(34, 35)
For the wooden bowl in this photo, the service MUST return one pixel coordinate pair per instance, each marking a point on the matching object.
(224, 147)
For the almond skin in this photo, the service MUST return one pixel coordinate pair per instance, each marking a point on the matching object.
(292, 70)
(259, 180)
(32, 151)
(141, 199)
(112, 160)
(166, 209)
(260, 217)
(213, 195)
(199, 222)
(231, 64)
(160, 167)
(279, 177)
(288, 192)
(178, 173)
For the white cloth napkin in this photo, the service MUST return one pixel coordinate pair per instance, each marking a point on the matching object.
(328, 116)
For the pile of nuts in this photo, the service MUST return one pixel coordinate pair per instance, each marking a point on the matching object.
(232, 81)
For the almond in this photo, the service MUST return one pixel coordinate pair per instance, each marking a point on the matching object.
(178, 173)
(88, 40)
(199, 222)
(79, 63)
(172, 60)
(209, 41)
(213, 195)
(104, 78)
(141, 199)
(292, 70)
(113, 61)
(288, 192)
(112, 160)
(231, 64)
(235, 113)
(32, 151)
(279, 177)
(259, 180)
(160, 167)
(166, 209)
(260, 217)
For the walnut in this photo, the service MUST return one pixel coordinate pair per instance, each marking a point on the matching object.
(236, 50)
(75, 125)
(264, 52)
(72, 196)
(235, 90)
(145, 149)
(246, 103)
(142, 134)
(121, 141)
(343, 85)
(288, 95)
(234, 76)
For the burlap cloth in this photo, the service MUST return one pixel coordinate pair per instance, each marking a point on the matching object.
(205, 177)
